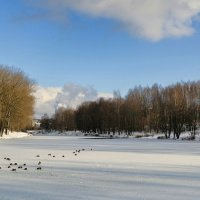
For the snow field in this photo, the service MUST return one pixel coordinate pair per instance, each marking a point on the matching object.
(115, 169)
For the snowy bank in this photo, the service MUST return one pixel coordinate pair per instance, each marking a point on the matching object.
(57, 133)
(12, 135)
(135, 135)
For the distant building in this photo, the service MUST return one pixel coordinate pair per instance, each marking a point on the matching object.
(36, 123)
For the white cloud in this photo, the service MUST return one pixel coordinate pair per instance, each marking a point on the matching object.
(45, 100)
(71, 95)
(151, 19)
(105, 95)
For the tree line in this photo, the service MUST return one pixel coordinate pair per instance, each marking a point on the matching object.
(16, 100)
(170, 110)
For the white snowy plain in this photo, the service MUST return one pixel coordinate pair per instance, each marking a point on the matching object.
(115, 169)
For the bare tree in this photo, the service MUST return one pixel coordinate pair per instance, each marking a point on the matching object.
(16, 100)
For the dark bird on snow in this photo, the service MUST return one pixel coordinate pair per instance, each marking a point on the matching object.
(14, 170)
(38, 156)
(39, 163)
(39, 168)
(25, 168)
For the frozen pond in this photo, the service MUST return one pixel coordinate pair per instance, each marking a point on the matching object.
(115, 169)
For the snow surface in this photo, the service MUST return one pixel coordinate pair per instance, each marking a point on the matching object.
(12, 135)
(115, 169)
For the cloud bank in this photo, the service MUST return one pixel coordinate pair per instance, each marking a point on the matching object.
(150, 19)
(70, 95)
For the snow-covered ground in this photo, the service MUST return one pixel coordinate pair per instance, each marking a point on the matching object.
(145, 135)
(12, 135)
(115, 169)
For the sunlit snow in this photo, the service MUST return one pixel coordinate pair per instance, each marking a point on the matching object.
(107, 169)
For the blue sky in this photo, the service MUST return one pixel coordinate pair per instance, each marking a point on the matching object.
(80, 45)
